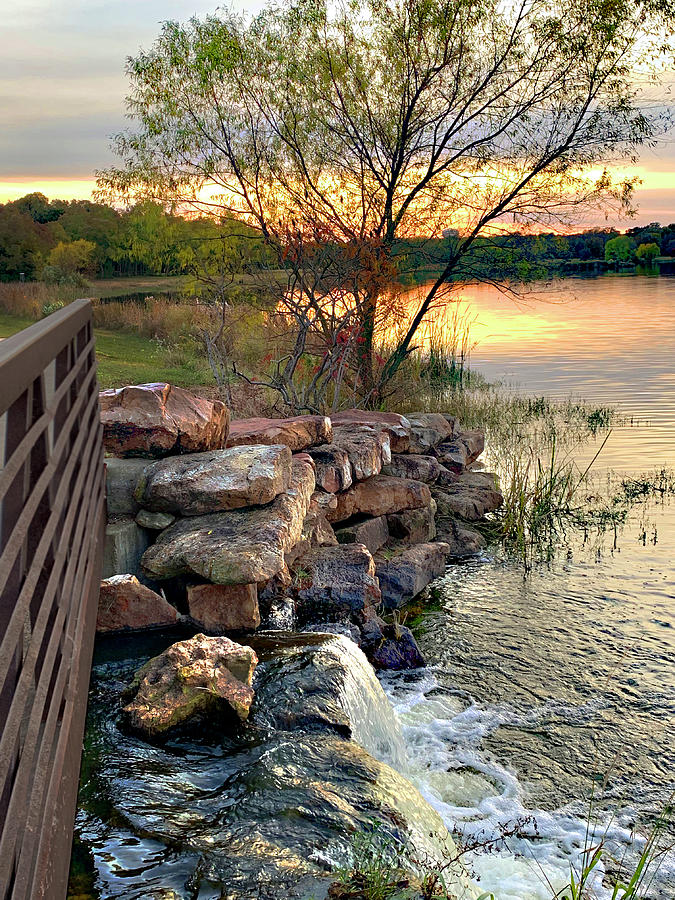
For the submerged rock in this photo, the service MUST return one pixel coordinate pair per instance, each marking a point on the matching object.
(126, 604)
(405, 574)
(153, 420)
(224, 607)
(296, 433)
(396, 426)
(398, 650)
(218, 480)
(191, 681)
(380, 496)
(241, 546)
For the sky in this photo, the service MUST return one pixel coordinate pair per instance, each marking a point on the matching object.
(62, 89)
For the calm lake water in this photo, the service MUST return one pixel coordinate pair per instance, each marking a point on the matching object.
(546, 689)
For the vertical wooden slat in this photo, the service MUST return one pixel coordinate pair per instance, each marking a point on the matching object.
(52, 513)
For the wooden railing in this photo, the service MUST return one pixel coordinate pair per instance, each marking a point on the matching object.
(51, 539)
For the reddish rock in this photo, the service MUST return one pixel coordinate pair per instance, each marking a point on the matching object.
(411, 568)
(367, 447)
(397, 426)
(124, 603)
(336, 581)
(297, 433)
(191, 681)
(154, 420)
(373, 533)
(428, 430)
(471, 496)
(332, 467)
(379, 496)
(316, 532)
(414, 526)
(465, 449)
(220, 607)
(462, 540)
(413, 465)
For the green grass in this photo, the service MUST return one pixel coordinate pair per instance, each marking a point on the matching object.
(125, 358)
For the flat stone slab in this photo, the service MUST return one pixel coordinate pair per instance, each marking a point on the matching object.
(296, 433)
(218, 480)
(240, 546)
(335, 581)
(470, 497)
(224, 607)
(405, 574)
(125, 604)
(397, 426)
(191, 681)
(379, 496)
(413, 465)
(373, 533)
(368, 448)
(154, 420)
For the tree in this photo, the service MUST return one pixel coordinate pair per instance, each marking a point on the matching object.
(338, 129)
(647, 253)
(619, 250)
(68, 262)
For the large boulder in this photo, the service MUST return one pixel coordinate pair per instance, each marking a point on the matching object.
(126, 604)
(471, 496)
(332, 467)
(224, 607)
(458, 454)
(428, 430)
(413, 465)
(296, 433)
(397, 426)
(373, 533)
(154, 420)
(414, 526)
(239, 546)
(218, 480)
(367, 447)
(192, 681)
(379, 496)
(409, 570)
(335, 581)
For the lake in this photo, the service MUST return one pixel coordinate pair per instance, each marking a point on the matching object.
(544, 690)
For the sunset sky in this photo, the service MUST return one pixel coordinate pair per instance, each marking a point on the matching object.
(62, 88)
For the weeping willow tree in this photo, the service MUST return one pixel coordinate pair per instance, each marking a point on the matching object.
(337, 130)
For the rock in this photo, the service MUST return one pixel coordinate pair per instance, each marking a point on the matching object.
(446, 476)
(379, 496)
(470, 497)
(316, 532)
(281, 614)
(456, 455)
(368, 448)
(414, 526)
(413, 465)
(190, 682)
(121, 479)
(371, 627)
(153, 420)
(124, 603)
(332, 467)
(324, 502)
(218, 480)
(335, 581)
(340, 628)
(296, 433)
(373, 533)
(224, 607)
(462, 540)
(240, 546)
(397, 426)
(409, 571)
(398, 650)
(428, 430)
(125, 544)
(154, 521)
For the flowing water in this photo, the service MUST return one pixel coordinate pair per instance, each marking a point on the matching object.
(545, 690)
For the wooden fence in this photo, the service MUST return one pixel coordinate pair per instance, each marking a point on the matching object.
(51, 540)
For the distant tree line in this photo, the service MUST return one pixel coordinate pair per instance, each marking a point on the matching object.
(58, 240)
